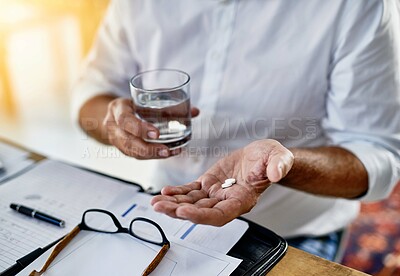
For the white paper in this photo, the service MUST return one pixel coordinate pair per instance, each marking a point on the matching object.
(66, 192)
(54, 188)
(121, 254)
(220, 239)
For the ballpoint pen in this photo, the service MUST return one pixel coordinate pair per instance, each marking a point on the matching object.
(36, 214)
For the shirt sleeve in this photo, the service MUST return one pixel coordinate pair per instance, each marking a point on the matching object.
(109, 65)
(363, 101)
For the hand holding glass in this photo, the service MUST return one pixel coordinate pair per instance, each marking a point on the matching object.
(162, 98)
(103, 221)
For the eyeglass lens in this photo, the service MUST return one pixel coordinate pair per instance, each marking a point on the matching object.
(146, 231)
(100, 221)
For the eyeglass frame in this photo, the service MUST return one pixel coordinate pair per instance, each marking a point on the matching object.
(165, 244)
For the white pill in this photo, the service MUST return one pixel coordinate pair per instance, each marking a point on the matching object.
(175, 126)
(228, 182)
(226, 185)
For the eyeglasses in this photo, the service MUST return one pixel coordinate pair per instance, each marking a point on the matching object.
(103, 221)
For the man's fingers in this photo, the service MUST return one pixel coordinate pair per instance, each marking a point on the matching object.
(139, 128)
(210, 216)
(147, 130)
(220, 214)
(181, 190)
(123, 126)
(194, 112)
(124, 116)
(191, 197)
(135, 147)
(158, 198)
(166, 207)
(206, 202)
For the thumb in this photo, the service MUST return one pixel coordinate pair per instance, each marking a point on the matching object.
(279, 165)
(194, 112)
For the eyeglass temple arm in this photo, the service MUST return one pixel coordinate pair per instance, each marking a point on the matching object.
(60, 246)
(156, 260)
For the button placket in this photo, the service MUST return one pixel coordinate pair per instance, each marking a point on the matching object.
(220, 38)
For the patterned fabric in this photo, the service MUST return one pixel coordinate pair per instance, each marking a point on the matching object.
(325, 247)
(374, 235)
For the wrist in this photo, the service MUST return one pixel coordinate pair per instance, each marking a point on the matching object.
(92, 114)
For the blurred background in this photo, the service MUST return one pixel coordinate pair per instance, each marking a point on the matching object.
(42, 44)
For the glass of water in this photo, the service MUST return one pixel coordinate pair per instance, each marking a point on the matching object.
(162, 98)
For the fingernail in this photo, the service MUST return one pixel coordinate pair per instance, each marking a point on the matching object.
(163, 153)
(280, 170)
(152, 134)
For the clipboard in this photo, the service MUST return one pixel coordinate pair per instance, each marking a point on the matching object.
(259, 248)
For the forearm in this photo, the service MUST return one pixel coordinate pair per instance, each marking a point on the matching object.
(92, 114)
(328, 171)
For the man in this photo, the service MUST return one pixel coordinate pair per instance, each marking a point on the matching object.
(304, 94)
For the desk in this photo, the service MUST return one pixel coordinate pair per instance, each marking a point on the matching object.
(294, 263)
(297, 263)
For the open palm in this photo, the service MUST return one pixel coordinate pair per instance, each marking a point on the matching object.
(205, 201)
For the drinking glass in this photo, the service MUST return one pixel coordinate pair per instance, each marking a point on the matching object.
(162, 98)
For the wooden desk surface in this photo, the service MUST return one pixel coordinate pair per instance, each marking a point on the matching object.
(295, 262)
(299, 263)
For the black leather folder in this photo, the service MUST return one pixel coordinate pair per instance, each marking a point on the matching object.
(259, 248)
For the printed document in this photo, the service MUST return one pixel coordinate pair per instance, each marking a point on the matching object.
(56, 189)
(66, 192)
(220, 239)
(121, 254)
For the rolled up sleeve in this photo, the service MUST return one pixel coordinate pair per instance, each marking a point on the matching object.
(363, 101)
